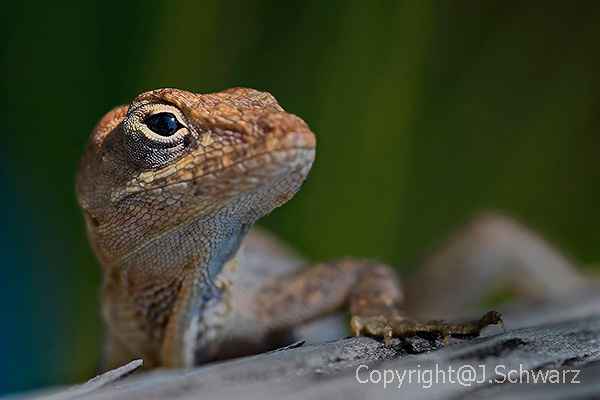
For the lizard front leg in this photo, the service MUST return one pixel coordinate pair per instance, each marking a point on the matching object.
(370, 290)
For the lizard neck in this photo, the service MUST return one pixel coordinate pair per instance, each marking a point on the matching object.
(178, 275)
(200, 288)
(201, 245)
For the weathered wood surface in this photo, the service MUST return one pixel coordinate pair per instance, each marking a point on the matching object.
(552, 336)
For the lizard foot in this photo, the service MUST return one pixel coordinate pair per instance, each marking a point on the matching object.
(400, 325)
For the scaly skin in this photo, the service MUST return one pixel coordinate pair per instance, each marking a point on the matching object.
(167, 209)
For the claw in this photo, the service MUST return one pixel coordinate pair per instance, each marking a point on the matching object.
(387, 335)
(446, 333)
(357, 325)
(502, 325)
(446, 340)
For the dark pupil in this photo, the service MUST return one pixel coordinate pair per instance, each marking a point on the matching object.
(163, 124)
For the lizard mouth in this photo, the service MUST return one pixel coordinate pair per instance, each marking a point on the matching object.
(275, 156)
(255, 171)
(279, 158)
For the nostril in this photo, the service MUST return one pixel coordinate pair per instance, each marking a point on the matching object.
(285, 131)
(268, 126)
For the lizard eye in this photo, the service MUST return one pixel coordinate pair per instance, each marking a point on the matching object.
(155, 133)
(164, 124)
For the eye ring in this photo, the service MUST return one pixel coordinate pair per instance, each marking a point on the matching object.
(164, 124)
(155, 133)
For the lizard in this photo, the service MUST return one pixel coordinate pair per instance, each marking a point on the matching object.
(170, 186)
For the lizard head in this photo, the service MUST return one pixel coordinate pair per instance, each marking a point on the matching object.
(172, 158)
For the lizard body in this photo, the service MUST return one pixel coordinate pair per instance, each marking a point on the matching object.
(170, 186)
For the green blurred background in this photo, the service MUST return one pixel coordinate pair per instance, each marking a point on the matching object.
(425, 112)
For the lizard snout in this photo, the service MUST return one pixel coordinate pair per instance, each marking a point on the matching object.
(285, 131)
